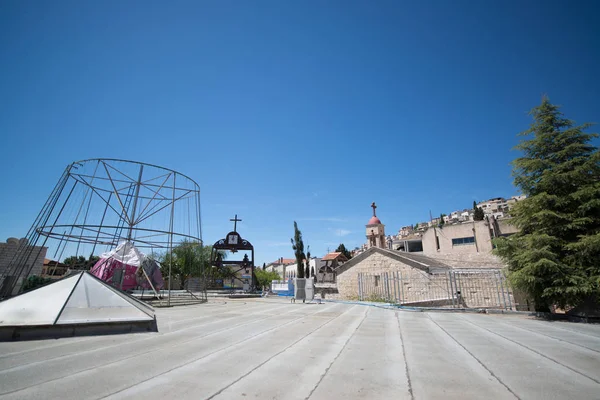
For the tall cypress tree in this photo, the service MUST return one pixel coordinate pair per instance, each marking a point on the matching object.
(556, 255)
(307, 270)
(298, 246)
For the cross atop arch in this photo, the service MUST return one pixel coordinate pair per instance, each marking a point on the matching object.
(235, 221)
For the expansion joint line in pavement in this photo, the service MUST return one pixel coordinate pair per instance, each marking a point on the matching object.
(337, 355)
(203, 317)
(38, 348)
(472, 355)
(275, 355)
(410, 391)
(534, 351)
(130, 342)
(551, 337)
(575, 331)
(245, 339)
(153, 350)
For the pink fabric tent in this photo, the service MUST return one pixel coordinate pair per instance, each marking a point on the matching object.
(131, 260)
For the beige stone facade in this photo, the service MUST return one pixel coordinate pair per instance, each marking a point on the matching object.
(469, 260)
(11, 251)
(466, 238)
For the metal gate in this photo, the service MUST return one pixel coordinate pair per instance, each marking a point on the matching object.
(467, 288)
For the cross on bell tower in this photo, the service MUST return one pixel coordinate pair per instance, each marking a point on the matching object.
(235, 221)
(375, 231)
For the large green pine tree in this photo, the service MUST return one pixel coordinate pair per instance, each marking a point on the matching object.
(555, 257)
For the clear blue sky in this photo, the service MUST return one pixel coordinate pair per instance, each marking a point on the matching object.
(289, 110)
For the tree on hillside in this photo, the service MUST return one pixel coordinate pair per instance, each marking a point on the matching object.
(555, 255)
(298, 246)
(342, 249)
(442, 222)
(478, 214)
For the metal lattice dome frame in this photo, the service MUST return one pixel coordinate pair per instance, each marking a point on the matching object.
(100, 202)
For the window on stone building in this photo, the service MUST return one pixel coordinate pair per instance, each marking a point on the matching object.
(376, 280)
(463, 241)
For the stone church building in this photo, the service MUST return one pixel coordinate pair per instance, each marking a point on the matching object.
(382, 274)
(377, 261)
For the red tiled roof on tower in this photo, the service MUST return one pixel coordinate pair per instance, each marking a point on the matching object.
(374, 221)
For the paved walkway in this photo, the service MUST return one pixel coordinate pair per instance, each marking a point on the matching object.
(270, 349)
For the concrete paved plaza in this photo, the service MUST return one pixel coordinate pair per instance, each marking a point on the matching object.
(271, 349)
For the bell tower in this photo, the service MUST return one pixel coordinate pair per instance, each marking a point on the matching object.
(375, 231)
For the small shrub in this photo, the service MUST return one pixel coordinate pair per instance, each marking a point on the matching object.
(34, 282)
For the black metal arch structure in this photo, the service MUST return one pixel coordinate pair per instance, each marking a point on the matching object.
(233, 243)
(100, 202)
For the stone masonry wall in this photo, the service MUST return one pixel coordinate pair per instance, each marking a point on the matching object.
(347, 281)
(12, 246)
(473, 260)
(411, 286)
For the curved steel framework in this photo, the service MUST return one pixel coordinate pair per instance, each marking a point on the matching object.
(99, 202)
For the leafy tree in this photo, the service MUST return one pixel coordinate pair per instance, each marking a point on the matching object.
(298, 246)
(555, 256)
(442, 220)
(80, 262)
(478, 214)
(191, 259)
(264, 266)
(342, 249)
(264, 278)
(75, 261)
(34, 282)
